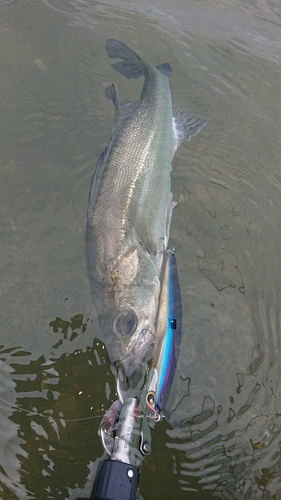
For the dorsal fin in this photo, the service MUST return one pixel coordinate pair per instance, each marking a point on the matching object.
(186, 124)
(165, 68)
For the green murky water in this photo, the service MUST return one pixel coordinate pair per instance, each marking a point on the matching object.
(222, 435)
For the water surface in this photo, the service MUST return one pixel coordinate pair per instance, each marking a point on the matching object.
(222, 436)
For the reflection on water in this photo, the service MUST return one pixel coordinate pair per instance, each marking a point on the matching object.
(55, 414)
(222, 435)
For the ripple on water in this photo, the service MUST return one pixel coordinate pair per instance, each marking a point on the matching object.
(223, 448)
(44, 404)
(224, 407)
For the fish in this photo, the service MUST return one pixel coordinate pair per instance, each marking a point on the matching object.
(168, 339)
(130, 207)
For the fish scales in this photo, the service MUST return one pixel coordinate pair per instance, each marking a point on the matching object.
(130, 207)
(147, 186)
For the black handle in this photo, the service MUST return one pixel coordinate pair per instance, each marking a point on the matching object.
(115, 481)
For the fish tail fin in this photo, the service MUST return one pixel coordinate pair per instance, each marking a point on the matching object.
(131, 65)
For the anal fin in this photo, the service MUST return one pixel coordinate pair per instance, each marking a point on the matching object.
(111, 93)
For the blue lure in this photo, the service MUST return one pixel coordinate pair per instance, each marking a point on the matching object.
(168, 338)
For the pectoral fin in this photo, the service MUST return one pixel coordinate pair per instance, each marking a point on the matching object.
(97, 177)
(168, 221)
(144, 232)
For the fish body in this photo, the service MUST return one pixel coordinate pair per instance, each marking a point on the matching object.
(168, 339)
(130, 207)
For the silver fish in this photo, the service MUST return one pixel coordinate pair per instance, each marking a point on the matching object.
(130, 207)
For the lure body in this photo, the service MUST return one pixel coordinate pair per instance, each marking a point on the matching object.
(168, 338)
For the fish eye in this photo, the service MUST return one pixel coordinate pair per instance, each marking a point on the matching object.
(125, 323)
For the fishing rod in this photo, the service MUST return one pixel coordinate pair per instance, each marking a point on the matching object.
(125, 430)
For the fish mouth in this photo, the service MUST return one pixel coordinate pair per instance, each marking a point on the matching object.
(141, 342)
(138, 352)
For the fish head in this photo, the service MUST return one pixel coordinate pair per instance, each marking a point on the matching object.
(127, 323)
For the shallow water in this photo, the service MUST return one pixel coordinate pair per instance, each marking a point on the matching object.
(222, 434)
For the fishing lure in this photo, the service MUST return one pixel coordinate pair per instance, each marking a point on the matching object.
(168, 338)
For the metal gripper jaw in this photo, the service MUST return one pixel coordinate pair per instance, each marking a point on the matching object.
(125, 432)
